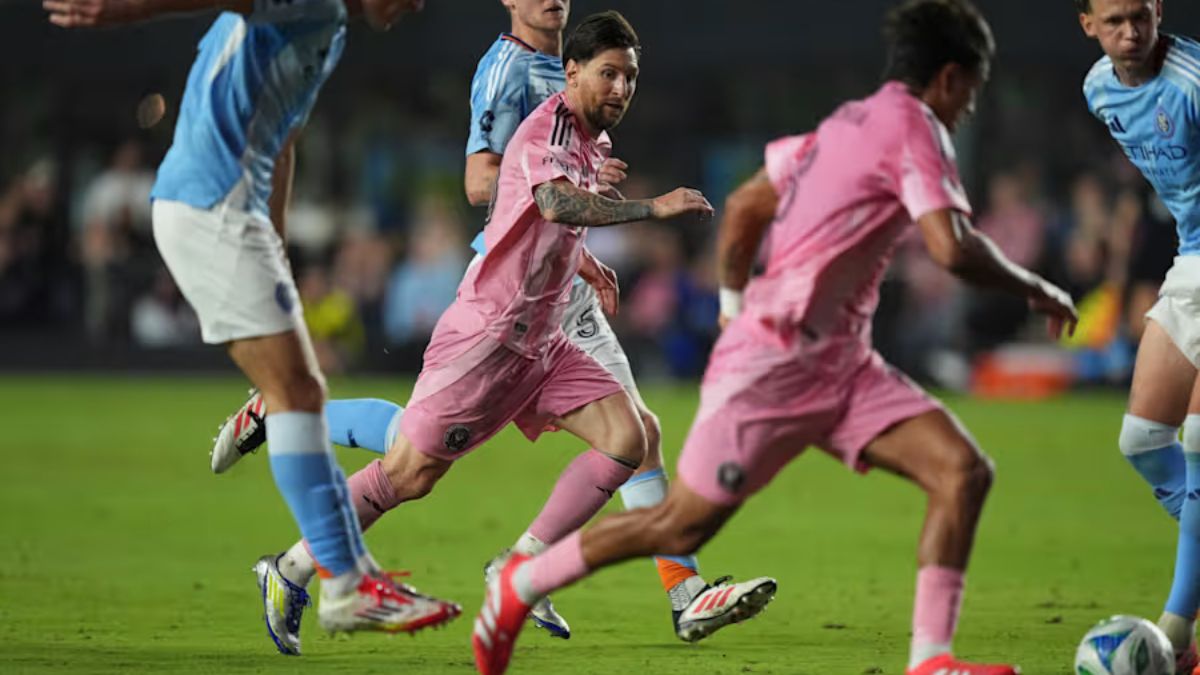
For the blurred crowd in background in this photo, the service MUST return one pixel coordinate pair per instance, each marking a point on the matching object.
(378, 226)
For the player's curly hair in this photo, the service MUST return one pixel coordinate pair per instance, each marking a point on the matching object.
(597, 33)
(924, 35)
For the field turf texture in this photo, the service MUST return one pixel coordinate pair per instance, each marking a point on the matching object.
(122, 553)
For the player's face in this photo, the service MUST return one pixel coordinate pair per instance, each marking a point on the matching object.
(381, 14)
(540, 15)
(1126, 29)
(953, 92)
(604, 85)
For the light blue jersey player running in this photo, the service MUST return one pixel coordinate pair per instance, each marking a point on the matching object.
(1146, 90)
(255, 79)
(522, 69)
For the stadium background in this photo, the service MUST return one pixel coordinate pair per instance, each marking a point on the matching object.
(121, 552)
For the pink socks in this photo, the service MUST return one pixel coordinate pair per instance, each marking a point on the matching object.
(584, 487)
(935, 612)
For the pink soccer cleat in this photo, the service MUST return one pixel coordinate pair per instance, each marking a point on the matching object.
(948, 665)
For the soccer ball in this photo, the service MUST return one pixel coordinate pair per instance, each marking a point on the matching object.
(1125, 645)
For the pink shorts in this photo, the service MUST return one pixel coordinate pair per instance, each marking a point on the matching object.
(462, 401)
(764, 400)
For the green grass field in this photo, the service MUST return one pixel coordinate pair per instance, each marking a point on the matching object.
(121, 552)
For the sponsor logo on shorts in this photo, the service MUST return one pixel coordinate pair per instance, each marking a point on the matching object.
(457, 437)
(283, 297)
(731, 476)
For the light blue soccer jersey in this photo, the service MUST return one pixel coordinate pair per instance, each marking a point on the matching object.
(255, 79)
(1158, 126)
(511, 80)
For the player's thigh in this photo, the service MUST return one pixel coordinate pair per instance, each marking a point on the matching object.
(932, 449)
(1163, 379)
(232, 268)
(610, 424)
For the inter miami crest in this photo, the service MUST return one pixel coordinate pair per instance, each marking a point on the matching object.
(730, 476)
(457, 437)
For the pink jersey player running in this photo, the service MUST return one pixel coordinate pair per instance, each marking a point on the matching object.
(795, 366)
(499, 353)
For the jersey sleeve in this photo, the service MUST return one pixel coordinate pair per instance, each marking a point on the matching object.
(497, 104)
(284, 11)
(784, 157)
(926, 169)
(543, 160)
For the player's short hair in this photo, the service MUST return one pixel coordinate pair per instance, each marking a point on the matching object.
(924, 35)
(597, 33)
(1084, 6)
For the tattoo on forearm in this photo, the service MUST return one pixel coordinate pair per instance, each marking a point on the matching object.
(570, 205)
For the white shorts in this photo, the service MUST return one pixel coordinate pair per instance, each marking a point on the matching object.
(585, 324)
(1178, 306)
(232, 268)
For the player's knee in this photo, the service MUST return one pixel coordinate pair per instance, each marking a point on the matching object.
(968, 475)
(653, 458)
(628, 442)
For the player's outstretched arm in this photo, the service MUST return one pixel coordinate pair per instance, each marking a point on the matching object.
(973, 257)
(101, 13)
(749, 210)
(561, 202)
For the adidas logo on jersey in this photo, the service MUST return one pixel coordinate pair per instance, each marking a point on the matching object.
(1116, 127)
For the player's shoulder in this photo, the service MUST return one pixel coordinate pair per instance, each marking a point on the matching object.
(1097, 76)
(1181, 67)
(508, 59)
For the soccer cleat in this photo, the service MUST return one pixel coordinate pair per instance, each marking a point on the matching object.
(500, 619)
(721, 604)
(283, 605)
(946, 664)
(542, 613)
(381, 604)
(242, 433)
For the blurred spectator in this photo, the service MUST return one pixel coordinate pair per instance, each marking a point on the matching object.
(29, 266)
(332, 318)
(161, 317)
(672, 309)
(424, 284)
(116, 227)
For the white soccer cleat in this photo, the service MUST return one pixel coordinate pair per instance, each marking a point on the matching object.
(241, 434)
(381, 604)
(283, 604)
(542, 613)
(721, 604)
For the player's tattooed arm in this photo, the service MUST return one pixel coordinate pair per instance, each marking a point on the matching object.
(562, 202)
(748, 212)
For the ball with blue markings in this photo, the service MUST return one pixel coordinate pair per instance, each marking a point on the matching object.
(1125, 645)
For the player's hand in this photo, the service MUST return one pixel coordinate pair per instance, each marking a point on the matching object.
(92, 13)
(679, 202)
(603, 280)
(1056, 304)
(612, 172)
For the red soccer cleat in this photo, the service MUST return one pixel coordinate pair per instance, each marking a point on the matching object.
(948, 665)
(499, 621)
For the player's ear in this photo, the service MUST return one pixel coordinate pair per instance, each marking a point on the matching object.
(572, 70)
(1158, 10)
(1088, 26)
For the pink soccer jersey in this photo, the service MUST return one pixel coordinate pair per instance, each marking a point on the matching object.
(846, 193)
(517, 294)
